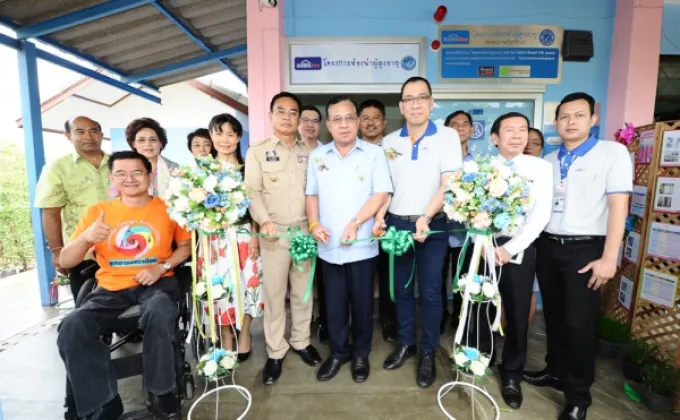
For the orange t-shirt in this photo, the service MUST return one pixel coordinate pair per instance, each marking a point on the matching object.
(139, 237)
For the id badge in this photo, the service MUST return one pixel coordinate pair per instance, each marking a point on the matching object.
(558, 200)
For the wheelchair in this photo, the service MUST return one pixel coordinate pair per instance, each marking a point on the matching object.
(126, 329)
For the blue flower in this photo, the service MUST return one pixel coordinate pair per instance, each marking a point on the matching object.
(217, 355)
(477, 279)
(469, 177)
(479, 192)
(216, 280)
(211, 200)
(198, 172)
(519, 210)
(224, 200)
(471, 354)
(501, 221)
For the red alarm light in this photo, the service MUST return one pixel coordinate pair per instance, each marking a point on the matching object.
(435, 45)
(440, 14)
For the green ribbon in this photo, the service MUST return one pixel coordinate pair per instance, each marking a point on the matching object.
(397, 242)
(302, 248)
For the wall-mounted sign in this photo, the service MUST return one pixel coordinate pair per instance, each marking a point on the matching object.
(500, 54)
(354, 61)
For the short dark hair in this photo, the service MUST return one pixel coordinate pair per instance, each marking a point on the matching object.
(496, 126)
(540, 134)
(453, 115)
(215, 126)
(340, 98)
(67, 123)
(141, 123)
(415, 79)
(577, 96)
(281, 95)
(372, 103)
(201, 132)
(311, 108)
(128, 155)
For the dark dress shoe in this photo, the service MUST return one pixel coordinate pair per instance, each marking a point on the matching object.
(165, 407)
(309, 355)
(242, 357)
(389, 332)
(571, 412)
(398, 356)
(543, 378)
(360, 369)
(427, 371)
(512, 393)
(329, 369)
(112, 410)
(322, 334)
(272, 371)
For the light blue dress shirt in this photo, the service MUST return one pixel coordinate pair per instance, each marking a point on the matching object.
(343, 186)
(456, 239)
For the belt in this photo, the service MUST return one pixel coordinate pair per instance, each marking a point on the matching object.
(563, 239)
(413, 219)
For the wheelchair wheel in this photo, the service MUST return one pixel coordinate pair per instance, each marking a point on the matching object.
(189, 388)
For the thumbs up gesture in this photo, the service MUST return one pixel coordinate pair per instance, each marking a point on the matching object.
(98, 231)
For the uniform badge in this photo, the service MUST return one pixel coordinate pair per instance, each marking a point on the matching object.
(302, 158)
(271, 156)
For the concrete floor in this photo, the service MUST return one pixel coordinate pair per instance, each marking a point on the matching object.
(32, 380)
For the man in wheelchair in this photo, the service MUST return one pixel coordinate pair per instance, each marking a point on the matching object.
(132, 238)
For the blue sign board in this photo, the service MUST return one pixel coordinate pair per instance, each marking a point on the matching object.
(529, 54)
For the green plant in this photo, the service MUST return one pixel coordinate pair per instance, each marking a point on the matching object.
(661, 377)
(639, 351)
(612, 331)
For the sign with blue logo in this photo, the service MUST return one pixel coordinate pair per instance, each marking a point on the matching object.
(352, 62)
(478, 130)
(497, 54)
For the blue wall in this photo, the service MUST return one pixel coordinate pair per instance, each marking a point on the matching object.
(308, 18)
(670, 37)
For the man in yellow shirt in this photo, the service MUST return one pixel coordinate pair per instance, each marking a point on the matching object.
(133, 237)
(70, 184)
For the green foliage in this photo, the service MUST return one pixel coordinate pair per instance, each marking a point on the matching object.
(16, 236)
(612, 331)
(639, 351)
(662, 378)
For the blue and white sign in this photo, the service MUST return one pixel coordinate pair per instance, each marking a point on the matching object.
(351, 62)
(478, 130)
(498, 54)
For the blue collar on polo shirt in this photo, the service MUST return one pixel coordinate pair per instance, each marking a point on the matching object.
(429, 131)
(567, 157)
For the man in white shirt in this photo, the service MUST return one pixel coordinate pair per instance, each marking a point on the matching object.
(577, 253)
(421, 158)
(510, 133)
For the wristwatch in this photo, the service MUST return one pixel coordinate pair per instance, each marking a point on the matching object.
(427, 218)
(167, 266)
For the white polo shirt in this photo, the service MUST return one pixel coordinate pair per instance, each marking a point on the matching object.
(416, 166)
(582, 179)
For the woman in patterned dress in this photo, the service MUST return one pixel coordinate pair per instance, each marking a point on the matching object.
(226, 133)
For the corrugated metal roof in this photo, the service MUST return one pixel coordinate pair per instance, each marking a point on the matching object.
(142, 38)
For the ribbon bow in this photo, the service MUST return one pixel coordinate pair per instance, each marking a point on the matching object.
(302, 248)
(397, 242)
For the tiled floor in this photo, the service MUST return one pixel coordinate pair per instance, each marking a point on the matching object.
(32, 383)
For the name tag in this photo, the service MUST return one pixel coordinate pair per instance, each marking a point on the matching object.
(558, 200)
(273, 159)
(271, 156)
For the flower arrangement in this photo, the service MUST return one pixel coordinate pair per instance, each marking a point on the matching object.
(208, 196)
(217, 363)
(626, 135)
(218, 291)
(471, 361)
(320, 165)
(392, 154)
(488, 194)
(61, 280)
(480, 288)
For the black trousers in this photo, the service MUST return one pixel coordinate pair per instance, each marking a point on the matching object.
(570, 309)
(321, 294)
(452, 262)
(76, 277)
(349, 285)
(387, 308)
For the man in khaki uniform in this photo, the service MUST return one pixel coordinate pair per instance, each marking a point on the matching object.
(276, 172)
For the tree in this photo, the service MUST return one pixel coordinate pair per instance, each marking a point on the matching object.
(16, 236)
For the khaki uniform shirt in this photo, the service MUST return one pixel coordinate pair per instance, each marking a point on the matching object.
(276, 177)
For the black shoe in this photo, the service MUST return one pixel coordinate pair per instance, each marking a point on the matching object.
(165, 407)
(242, 357)
(427, 372)
(572, 412)
(322, 334)
(543, 378)
(272, 371)
(389, 332)
(398, 356)
(512, 393)
(360, 369)
(112, 410)
(329, 369)
(309, 355)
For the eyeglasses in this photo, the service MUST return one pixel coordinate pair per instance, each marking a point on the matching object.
(122, 176)
(306, 120)
(349, 119)
(293, 113)
(415, 99)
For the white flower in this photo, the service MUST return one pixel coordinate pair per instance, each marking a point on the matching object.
(484, 360)
(473, 288)
(489, 290)
(200, 289)
(477, 368)
(505, 171)
(460, 359)
(210, 183)
(495, 162)
(217, 291)
(497, 187)
(228, 184)
(232, 214)
(175, 186)
(227, 362)
(458, 217)
(463, 196)
(210, 368)
(470, 166)
(514, 180)
(462, 280)
(181, 204)
(237, 197)
(205, 358)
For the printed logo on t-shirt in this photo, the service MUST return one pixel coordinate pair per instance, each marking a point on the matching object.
(132, 242)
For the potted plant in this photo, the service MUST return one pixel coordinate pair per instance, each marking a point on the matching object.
(638, 354)
(661, 381)
(611, 336)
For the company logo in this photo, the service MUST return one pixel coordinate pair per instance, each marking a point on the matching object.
(307, 63)
(455, 37)
(134, 241)
(478, 130)
(486, 71)
(547, 37)
(408, 63)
